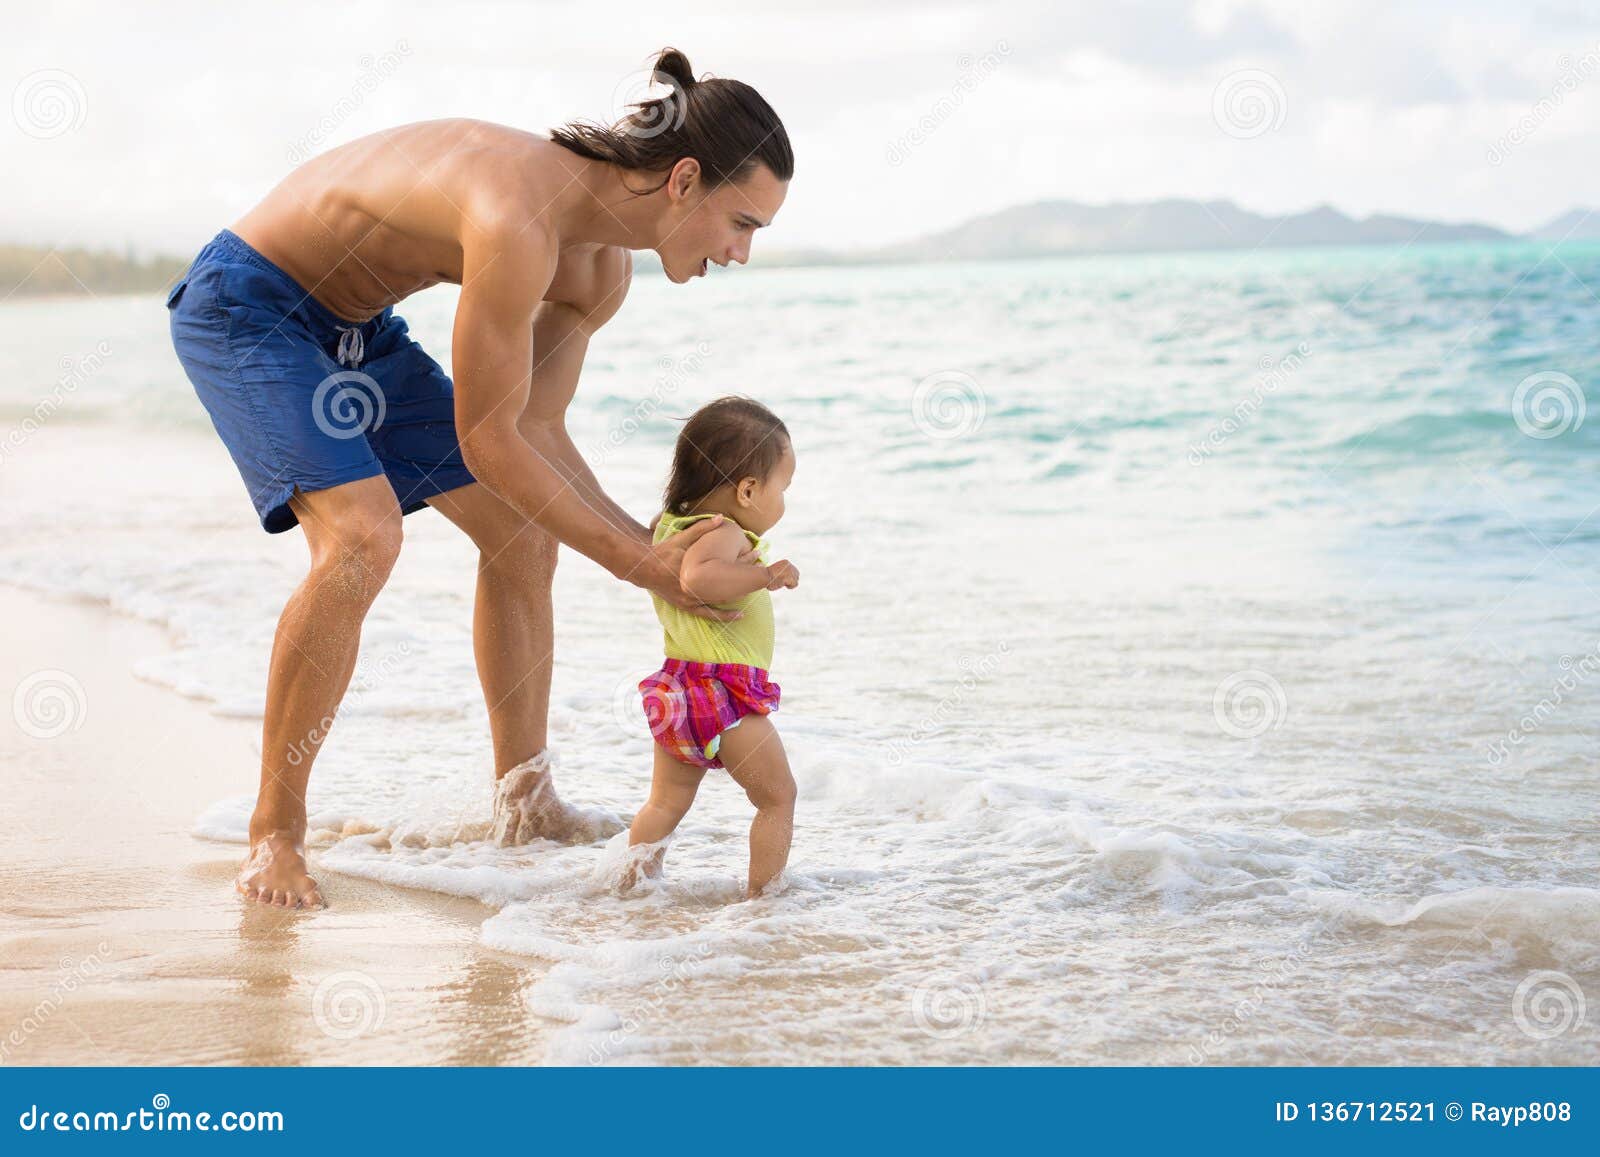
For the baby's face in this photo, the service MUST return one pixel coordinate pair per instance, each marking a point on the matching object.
(762, 506)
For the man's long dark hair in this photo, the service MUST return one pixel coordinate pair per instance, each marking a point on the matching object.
(723, 124)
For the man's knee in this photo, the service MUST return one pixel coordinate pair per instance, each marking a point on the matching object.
(361, 543)
(529, 555)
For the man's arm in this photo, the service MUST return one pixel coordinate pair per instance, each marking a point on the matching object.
(504, 277)
(503, 282)
(560, 342)
(561, 333)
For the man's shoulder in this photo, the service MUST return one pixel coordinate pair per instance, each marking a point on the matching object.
(594, 280)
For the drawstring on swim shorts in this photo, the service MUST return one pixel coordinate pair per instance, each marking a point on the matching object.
(351, 349)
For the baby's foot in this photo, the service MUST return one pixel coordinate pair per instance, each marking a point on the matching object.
(527, 808)
(643, 863)
(275, 873)
(776, 886)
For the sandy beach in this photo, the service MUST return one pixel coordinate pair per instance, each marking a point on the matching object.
(123, 942)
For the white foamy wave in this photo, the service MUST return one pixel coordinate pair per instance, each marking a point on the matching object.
(1564, 922)
(228, 822)
(580, 991)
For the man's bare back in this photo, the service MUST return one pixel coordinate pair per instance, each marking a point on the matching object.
(370, 223)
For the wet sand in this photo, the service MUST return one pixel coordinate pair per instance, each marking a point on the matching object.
(121, 938)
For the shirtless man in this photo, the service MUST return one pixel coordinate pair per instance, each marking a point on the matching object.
(340, 423)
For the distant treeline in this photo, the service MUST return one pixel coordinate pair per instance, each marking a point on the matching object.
(35, 270)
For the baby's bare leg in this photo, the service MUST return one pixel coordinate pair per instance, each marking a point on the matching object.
(672, 789)
(754, 757)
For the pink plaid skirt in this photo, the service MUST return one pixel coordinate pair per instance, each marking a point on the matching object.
(689, 705)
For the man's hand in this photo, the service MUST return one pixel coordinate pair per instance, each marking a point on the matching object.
(784, 574)
(662, 571)
(748, 554)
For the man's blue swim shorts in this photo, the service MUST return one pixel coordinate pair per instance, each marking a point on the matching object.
(303, 399)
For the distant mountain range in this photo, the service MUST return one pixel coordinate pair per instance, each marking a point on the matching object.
(1573, 225)
(1066, 227)
(1042, 229)
(1050, 228)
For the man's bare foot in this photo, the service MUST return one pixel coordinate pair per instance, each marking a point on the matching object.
(275, 873)
(526, 808)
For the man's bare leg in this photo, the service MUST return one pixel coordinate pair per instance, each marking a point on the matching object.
(513, 641)
(354, 534)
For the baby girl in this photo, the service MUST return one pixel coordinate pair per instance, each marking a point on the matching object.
(709, 704)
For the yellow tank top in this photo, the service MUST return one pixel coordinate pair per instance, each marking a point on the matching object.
(747, 640)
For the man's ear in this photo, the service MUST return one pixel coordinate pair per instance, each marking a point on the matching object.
(684, 177)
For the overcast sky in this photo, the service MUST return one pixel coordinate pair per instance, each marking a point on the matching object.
(157, 124)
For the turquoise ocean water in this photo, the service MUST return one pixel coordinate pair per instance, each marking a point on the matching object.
(1196, 659)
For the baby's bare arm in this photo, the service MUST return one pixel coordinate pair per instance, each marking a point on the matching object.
(713, 570)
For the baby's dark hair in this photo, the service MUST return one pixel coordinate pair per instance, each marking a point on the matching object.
(723, 441)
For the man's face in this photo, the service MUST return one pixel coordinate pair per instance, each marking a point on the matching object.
(716, 225)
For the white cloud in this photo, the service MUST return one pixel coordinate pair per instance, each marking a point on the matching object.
(191, 109)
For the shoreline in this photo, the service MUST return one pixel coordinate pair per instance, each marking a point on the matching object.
(123, 939)
(835, 261)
